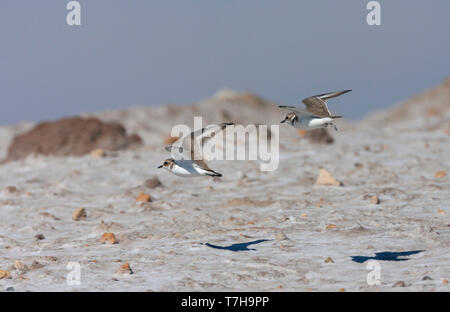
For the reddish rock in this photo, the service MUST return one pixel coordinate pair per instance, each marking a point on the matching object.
(71, 136)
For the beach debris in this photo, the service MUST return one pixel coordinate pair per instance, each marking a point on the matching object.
(445, 281)
(281, 236)
(11, 189)
(20, 266)
(375, 200)
(143, 198)
(426, 278)
(399, 284)
(341, 290)
(330, 226)
(79, 214)
(153, 182)
(329, 260)
(109, 238)
(98, 153)
(39, 236)
(36, 265)
(440, 174)
(325, 178)
(125, 269)
(5, 274)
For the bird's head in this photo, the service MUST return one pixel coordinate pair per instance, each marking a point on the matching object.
(289, 117)
(168, 163)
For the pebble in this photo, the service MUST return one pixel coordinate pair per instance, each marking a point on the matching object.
(79, 214)
(98, 153)
(375, 200)
(39, 236)
(325, 178)
(153, 182)
(440, 174)
(329, 260)
(399, 284)
(109, 238)
(143, 198)
(125, 269)
(4, 274)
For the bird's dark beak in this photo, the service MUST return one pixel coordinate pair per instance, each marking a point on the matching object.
(283, 121)
(160, 166)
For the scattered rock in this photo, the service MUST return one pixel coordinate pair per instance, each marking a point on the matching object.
(109, 238)
(375, 200)
(20, 266)
(319, 136)
(399, 284)
(125, 269)
(143, 198)
(341, 290)
(153, 182)
(4, 274)
(329, 260)
(426, 278)
(39, 236)
(248, 202)
(325, 178)
(71, 136)
(445, 281)
(98, 153)
(36, 265)
(10, 288)
(11, 189)
(79, 214)
(331, 226)
(440, 174)
(281, 236)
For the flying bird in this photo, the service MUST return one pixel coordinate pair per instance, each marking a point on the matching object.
(189, 151)
(316, 115)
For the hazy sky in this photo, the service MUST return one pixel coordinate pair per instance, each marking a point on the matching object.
(154, 52)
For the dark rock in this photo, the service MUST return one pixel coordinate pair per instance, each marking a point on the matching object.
(71, 136)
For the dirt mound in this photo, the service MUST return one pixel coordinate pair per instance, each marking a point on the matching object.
(433, 102)
(71, 136)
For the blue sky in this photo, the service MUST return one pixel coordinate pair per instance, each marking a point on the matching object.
(129, 53)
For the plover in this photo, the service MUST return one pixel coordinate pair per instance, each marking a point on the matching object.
(188, 150)
(316, 115)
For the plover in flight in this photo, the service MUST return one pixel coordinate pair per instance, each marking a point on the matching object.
(188, 149)
(316, 115)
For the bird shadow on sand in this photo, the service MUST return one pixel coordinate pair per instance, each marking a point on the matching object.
(240, 246)
(387, 256)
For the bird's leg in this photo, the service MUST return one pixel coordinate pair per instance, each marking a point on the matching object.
(334, 126)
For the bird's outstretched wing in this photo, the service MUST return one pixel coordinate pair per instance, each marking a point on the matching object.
(190, 146)
(317, 104)
(299, 112)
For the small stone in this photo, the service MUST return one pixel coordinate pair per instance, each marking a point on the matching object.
(303, 215)
(325, 178)
(125, 269)
(153, 182)
(4, 274)
(341, 290)
(301, 132)
(11, 189)
(440, 174)
(445, 281)
(426, 278)
(399, 284)
(331, 226)
(39, 236)
(10, 288)
(441, 211)
(375, 200)
(98, 153)
(79, 214)
(109, 238)
(36, 265)
(281, 236)
(20, 266)
(143, 198)
(329, 260)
